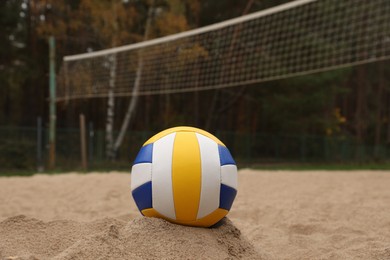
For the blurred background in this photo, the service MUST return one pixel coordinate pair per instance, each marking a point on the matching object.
(335, 117)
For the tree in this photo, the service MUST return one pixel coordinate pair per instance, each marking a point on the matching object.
(14, 69)
(137, 83)
(171, 21)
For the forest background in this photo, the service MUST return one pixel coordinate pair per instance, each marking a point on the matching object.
(351, 105)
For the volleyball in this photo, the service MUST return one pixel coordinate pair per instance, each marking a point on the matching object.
(184, 175)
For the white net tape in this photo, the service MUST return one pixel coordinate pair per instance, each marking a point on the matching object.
(296, 38)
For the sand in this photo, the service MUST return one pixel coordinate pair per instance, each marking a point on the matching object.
(276, 215)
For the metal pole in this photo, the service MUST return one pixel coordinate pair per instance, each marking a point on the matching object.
(83, 143)
(90, 141)
(39, 145)
(52, 117)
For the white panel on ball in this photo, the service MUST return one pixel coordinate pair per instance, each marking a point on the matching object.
(162, 192)
(211, 175)
(141, 173)
(229, 175)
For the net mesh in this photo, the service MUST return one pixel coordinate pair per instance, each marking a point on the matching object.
(297, 38)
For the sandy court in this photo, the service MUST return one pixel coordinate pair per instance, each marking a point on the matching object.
(276, 215)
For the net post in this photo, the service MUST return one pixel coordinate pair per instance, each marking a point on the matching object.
(39, 144)
(91, 134)
(66, 83)
(52, 101)
(83, 143)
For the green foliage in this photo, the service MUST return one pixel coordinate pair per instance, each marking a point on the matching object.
(13, 61)
(302, 104)
(17, 155)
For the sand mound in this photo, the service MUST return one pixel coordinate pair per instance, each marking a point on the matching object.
(141, 238)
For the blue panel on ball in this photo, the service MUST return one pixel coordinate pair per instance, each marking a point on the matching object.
(227, 196)
(143, 196)
(145, 154)
(224, 156)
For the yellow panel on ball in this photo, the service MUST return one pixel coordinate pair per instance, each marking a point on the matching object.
(206, 221)
(182, 129)
(186, 176)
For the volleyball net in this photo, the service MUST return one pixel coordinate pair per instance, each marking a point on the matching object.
(297, 38)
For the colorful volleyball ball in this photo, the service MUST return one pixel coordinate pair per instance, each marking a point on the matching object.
(184, 175)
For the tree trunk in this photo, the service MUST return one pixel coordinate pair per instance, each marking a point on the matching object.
(110, 110)
(137, 83)
(111, 93)
(388, 121)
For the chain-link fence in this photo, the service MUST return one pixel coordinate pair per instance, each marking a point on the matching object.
(27, 149)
